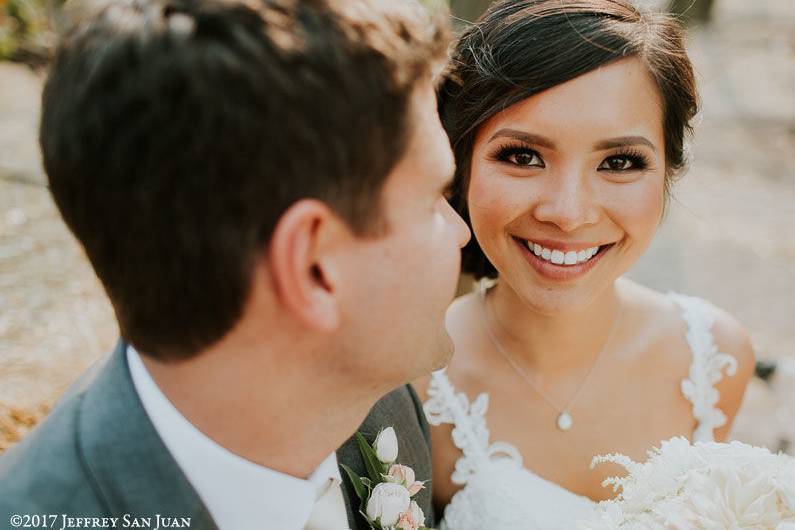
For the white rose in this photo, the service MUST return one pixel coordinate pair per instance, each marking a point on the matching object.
(786, 486)
(387, 502)
(704, 485)
(417, 514)
(386, 446)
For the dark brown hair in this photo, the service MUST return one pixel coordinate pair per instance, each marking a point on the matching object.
(176, 133)
(521, 47)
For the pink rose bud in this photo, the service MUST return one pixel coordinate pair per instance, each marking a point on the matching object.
(404, 475)
(401, 473)
(415, 488)
(411, 519)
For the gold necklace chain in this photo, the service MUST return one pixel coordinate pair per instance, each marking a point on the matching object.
(565, 421)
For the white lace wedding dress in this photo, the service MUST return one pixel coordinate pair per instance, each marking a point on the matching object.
(499, 493)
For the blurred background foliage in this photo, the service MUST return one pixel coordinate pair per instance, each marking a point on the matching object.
(26, 29)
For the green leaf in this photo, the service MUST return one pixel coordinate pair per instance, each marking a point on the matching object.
(361, 489)
(371, 463)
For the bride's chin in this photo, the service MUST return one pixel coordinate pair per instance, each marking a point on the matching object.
(556, 302)
(557, 308)
(560, 299)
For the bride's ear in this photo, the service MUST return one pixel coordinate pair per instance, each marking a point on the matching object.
(302, 271)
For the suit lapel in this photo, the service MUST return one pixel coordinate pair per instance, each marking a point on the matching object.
(133, 471)
(398, 409)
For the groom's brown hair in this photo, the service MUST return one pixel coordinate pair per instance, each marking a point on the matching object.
(176, 133)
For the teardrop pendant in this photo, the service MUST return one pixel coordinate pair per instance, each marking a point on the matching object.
(565, 421)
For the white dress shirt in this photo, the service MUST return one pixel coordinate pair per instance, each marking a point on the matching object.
(239, 494)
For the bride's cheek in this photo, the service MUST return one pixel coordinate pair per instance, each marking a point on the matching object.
(492, 200)
(640, 213)
(488, 218)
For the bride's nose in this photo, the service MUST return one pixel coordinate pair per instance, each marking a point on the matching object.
(567, 201)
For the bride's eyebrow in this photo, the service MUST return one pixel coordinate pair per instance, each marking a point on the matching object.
(623, 141)
(530, 138)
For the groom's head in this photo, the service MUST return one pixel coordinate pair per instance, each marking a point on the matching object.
(234, 164)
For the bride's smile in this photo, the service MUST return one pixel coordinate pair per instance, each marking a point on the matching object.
(564, 253)
(562, 261)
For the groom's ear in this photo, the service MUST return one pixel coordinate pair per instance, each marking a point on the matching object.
(301, 262)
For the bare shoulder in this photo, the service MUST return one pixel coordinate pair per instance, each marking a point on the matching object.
(732, 338)
(656, 327)
(730, 335)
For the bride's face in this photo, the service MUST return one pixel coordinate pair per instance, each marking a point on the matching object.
(567, 186)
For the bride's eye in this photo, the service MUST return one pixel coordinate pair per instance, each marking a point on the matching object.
(624, 162)
(519, 155)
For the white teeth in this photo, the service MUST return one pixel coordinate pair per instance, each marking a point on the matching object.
(558, 257)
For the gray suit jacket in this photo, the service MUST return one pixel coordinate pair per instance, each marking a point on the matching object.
(98, 455)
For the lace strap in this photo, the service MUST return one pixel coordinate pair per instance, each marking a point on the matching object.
(707, 368)
(470, 433)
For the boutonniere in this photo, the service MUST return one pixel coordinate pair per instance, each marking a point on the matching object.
(386, 492)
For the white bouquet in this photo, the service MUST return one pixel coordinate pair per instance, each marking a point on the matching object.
(704, 486)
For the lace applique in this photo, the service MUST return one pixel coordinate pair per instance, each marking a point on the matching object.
(707, 368)
(470, 433)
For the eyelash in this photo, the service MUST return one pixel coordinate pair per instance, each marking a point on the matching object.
(504, 153)
(639, 160)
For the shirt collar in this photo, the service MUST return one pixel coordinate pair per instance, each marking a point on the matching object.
(238, 493)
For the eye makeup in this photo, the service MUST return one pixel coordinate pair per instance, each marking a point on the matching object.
(638, 161)
(520, 155)
(516, 152)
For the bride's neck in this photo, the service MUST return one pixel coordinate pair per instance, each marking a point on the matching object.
(550, 342)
